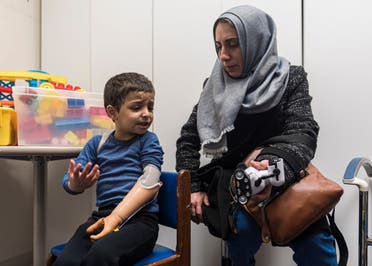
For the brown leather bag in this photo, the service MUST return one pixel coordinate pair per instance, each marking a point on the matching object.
(300, 205)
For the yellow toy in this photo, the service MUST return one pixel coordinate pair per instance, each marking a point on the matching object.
(29, 75)
(101, 122)
(8, 127)
(72, 138)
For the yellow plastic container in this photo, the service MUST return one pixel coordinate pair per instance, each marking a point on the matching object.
(8, 127)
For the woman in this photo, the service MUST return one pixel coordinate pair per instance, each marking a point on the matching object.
(252, 95)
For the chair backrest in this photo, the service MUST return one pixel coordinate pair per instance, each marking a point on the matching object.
(167, 199)
(174, 212)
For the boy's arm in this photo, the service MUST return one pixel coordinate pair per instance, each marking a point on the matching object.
(145, 189)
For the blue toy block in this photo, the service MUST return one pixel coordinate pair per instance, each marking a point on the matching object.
(34, 82)
(75, 103)
(72, 124)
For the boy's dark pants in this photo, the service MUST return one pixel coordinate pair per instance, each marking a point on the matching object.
(135, 240)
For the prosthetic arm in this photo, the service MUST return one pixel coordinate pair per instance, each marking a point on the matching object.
(142, 193)
(249, 181)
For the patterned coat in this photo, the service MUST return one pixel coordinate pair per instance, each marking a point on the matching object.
(293, 115)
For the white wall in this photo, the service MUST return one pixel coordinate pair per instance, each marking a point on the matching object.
(183, 55)
(20, 50)
(65, 40)
(338, 58)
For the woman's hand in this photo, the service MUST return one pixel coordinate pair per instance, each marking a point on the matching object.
(108, 224)
(264, 194)
(79, 181)
(197, 199)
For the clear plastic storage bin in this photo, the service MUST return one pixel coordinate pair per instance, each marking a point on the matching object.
(58, 117)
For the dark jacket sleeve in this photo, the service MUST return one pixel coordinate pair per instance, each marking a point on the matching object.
(298, 120)
(188, 147)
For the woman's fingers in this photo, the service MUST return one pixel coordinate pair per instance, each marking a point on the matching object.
(262, 165)
(199, 213)
(206, 200)
(197, 200)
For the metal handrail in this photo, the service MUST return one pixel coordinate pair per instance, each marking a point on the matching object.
(351, 178)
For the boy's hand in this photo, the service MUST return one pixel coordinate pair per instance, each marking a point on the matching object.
(79, 181)
(108, 225)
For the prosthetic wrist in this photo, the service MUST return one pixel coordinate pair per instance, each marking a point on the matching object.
(250, 181)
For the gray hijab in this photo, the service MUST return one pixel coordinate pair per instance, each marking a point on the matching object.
(260, 87)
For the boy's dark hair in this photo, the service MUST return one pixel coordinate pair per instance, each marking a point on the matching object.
(118, 87)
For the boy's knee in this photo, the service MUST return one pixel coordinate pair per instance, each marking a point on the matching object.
(98, 254)
(65, 260)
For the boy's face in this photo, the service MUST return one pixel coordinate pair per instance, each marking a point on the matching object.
(135, 115)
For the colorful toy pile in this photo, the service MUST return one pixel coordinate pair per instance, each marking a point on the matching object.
(58, 117)
(34, 78)
(49, 111)
(6, 98)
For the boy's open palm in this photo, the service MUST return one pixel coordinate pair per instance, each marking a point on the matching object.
(81, 180)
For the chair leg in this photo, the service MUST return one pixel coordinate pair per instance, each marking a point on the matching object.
(225, 260)
(50, 260)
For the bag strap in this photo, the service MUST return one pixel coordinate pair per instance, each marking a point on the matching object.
(341, 243)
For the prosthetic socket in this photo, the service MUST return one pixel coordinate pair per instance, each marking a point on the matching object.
(143, 192)
(250, 181)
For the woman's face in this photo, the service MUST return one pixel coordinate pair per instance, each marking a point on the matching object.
(228, 49)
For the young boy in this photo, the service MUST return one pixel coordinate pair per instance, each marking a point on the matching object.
(126, 169)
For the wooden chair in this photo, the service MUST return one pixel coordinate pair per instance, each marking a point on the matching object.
(174, 202)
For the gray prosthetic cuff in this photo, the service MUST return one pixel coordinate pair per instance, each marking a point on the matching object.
(150, 177)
